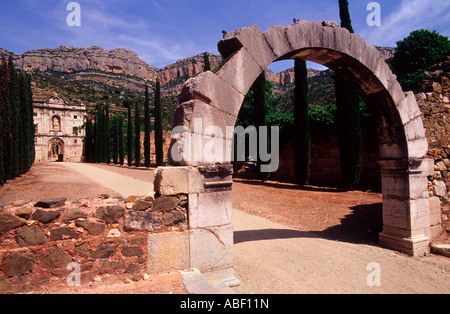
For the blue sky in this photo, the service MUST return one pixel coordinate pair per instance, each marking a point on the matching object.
(163, 31)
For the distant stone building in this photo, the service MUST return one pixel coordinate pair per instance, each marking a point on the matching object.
(59, 133)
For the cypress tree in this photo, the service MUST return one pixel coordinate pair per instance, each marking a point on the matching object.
(98, 140)
(129, 136)
(32, 131)
(207, 62)
(2, 118)
(23, 147)
(344, 13)
(15, 119)
(114, 140)
(137, 139)
(158, 126)
(107, 137)
(6, 117)
(259, 103)
(147, 129)
(348, 118)
(302, 144)
(88, 149)
(120, 143)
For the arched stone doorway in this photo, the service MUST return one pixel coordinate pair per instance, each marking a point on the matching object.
(55, 149)
(211, 102)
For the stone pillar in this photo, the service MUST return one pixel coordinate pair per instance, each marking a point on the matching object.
(406, 205)
(211, 238)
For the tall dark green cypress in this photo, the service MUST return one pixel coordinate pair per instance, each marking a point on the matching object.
(159, 141)
(6, 115)
(15, 118)
(129, 135)
(114, 140)
(344, 14)
(259, 103)
(302, 144)
(137, 139)
(2, 117)
(348, 118)
(23, 147)
(88, 141)
(107, 141)
(120, 142)
(147, 148)
(32, 131)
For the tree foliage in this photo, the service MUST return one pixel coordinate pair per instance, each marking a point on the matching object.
(147, 160)
(159, 141)
(302, 142)
(17, 131)
(418, 53)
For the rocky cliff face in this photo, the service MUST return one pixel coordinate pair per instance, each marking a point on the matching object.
(67, 59)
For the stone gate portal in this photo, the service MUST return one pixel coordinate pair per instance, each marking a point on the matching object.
(217, 98)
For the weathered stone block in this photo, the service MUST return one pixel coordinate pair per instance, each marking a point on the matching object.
(194, 149)
(408, 108)
(18, 264)
(212, 248)
(418, 148)
(57, 259)
(171, 180)
(435, 211)
(51, 203)
(210, 209)
(30, 236)
(253, 40)
(9, 221)
(168, 251)
(212, 90)
(237, 75)
(276, 37)
(202, 118)
(142, 221)
(110, 214)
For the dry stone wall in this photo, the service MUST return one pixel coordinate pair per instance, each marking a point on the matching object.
(39, 242)
(434, 102)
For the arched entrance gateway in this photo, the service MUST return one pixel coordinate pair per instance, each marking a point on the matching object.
(216, 100)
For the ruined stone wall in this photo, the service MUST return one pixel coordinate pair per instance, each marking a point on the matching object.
(434, 102)
(325, 166)
(44, 243)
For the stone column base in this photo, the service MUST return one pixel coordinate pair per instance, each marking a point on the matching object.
(418, 246)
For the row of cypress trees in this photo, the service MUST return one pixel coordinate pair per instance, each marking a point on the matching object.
(105, 138)
(16, 122)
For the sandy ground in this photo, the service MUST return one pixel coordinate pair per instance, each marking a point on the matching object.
(287, 240)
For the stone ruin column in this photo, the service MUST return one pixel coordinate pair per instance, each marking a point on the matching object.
(406, 205)
(210, 202)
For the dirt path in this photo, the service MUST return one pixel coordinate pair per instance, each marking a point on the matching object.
(273, 258)
(114, 179)
(51, 180)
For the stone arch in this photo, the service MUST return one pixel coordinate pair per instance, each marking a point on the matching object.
(211, 102)
(55, 148)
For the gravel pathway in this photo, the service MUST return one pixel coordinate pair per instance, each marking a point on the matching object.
(122, 184)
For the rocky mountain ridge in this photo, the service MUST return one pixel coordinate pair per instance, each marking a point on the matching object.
(65, 59)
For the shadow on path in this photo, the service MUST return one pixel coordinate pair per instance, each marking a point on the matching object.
(362, 226)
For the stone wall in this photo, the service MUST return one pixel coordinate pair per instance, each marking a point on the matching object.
(325, 166)
(434, 102)
(44, 243)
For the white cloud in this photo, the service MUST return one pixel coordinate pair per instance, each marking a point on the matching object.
(410, 15)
